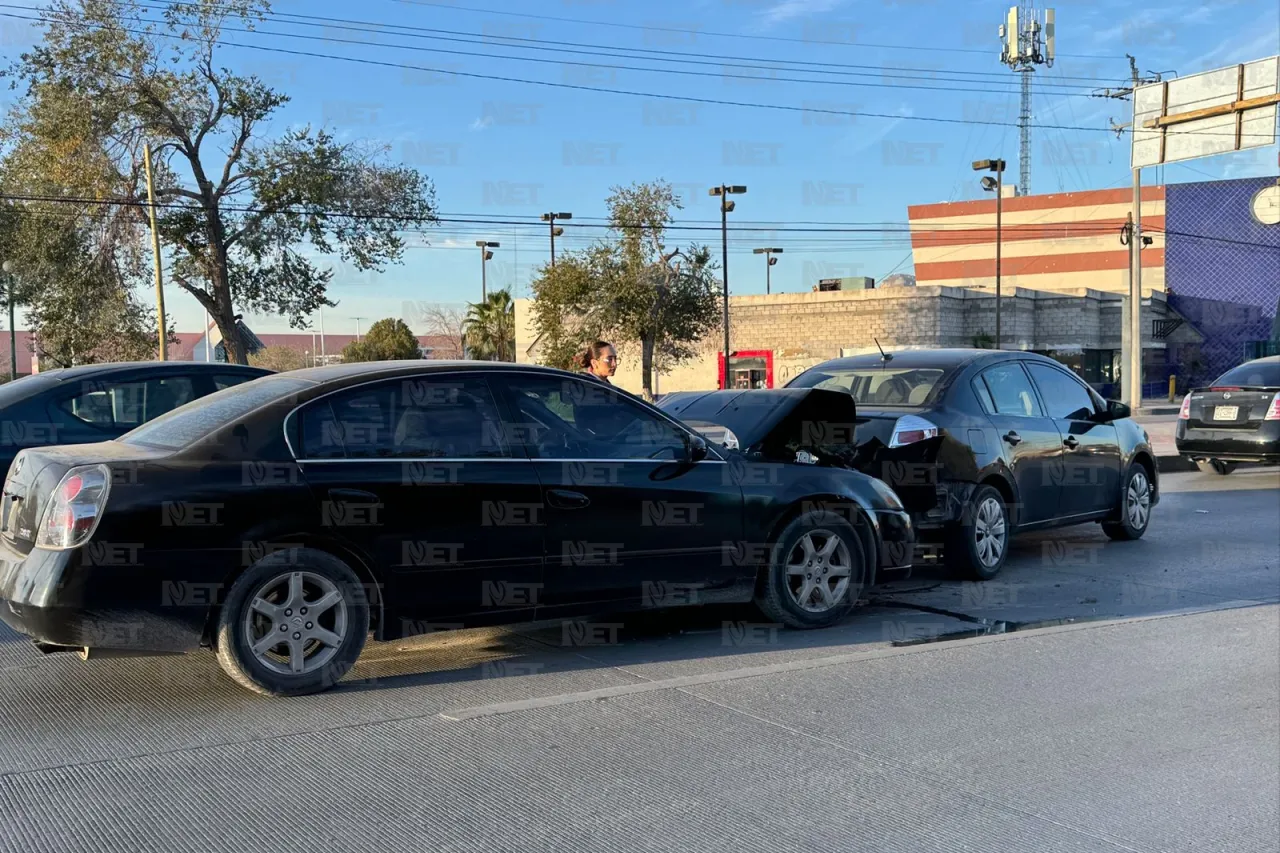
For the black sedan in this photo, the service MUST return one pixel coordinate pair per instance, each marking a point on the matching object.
(1236, 419)
(981, 444)
(280, 521)
(97, 402)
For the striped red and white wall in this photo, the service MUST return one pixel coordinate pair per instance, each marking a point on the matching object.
(1048, 242)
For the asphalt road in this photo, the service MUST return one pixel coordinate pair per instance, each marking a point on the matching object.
(1120, 696)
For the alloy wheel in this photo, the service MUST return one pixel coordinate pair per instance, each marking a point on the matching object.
(989, 532)
(1138, 500)
(819, 571)
(295, 622)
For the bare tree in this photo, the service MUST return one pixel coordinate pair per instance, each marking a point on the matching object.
(446, 323)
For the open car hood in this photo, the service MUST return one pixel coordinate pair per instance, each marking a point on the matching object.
(777, 423)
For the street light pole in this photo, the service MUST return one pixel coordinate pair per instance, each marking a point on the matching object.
(13, 332)
(769, 261)
(486, 255)
(726, 207)
(997, 185)
(357, 319)
(550, 219)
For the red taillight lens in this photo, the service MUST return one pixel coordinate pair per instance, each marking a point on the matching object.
(1273, 413)
(71, 514)
(912, 428)
(1226, 388)
(71, 487)
(1185, 413)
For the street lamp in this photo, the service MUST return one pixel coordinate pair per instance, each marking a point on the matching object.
(769, 262)
(995, 185)
(357, 319)
(726, 207)
(485, 255)
(13, 332)
(551, 218)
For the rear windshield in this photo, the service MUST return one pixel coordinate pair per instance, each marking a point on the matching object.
(190, 423)
(875, 386)
(1264, 374)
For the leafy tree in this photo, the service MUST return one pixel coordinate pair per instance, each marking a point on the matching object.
(236, 210)
(387, 340)
(630, 287)
(490, 328)
(279, 359)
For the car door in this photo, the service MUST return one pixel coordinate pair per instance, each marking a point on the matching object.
(627, 519)
(1091, 449)
(1030, 442)
(409, 472)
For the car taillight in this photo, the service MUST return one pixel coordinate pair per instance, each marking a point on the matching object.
(73, 512)
(912, 428)
(1185, 413)
(1273, 413)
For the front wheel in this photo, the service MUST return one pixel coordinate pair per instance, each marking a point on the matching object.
(816, 572)
(1216, 466)
(293, 624)
(1135, 507)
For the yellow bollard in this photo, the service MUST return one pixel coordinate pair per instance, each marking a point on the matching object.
(1173, 388)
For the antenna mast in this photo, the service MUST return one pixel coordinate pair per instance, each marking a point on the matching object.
(1026, 40)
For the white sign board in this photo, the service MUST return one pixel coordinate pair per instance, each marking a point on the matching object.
(1228, 109)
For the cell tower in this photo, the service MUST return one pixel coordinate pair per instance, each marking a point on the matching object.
(1026, 40)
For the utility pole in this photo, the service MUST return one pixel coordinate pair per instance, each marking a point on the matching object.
(13, 329)
(323, 358)
(357, 319)
(155, 249)
(1131, 236)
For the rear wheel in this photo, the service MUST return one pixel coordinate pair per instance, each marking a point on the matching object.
(977, 546)
(1135, 506)
(816, 573)
(1215, 466)
(293, 624)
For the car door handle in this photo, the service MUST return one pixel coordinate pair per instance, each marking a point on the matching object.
(1071, 442)
(1012, 437)
(565, 499)
(353, 495)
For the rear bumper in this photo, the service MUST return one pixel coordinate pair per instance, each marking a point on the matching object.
(44, 595)
(1231, 445)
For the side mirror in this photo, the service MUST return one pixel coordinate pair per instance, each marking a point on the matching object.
(1116, 411)
(695, 448)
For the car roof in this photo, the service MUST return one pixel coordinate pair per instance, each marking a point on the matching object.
(62, 374)
(368, 370)
(939, 358)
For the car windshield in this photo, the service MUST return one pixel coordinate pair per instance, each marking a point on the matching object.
(875, 386)
(1255, 374)
(190, 423)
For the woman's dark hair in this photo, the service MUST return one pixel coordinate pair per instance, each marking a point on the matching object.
(591, 353)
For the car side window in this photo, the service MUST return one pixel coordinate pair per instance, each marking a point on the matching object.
(1066, 397)
(1011, 390)
(447, 417)
(115, 406)
(581, 419)
(984, 396)
(228, 380)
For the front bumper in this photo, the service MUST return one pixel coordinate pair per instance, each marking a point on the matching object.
(55, 599)
(897, 539)
(1230, 445)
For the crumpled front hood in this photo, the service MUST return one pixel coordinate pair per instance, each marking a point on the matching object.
(783, 419)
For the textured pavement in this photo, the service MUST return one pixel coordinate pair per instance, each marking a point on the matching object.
(1156, 727)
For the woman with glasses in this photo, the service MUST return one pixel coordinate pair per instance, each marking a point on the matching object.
(599, 361)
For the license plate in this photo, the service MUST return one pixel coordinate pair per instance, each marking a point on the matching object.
(1226, 413)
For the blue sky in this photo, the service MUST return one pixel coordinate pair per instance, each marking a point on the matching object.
(510, 151)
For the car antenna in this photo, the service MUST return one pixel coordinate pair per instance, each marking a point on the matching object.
(884, 356)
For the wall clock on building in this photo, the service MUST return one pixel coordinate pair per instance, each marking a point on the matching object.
(1266, 205)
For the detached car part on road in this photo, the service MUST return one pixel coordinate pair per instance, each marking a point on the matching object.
(282, 521)
(1234, 420)
(979, 444)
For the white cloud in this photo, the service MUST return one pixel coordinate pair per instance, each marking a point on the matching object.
(786, 10)
(482, 123)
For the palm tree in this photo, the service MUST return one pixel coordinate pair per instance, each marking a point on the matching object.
(490, 328)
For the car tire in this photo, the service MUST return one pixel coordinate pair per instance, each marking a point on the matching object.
(833, 560)
(316, 605)
(1134, 513)
(976, 547)
(1216, 466)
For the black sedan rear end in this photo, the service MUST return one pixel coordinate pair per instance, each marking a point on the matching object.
(1236, 419)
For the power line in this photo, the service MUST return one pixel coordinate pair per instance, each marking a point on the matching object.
(714, 34)
(810, 109)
